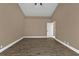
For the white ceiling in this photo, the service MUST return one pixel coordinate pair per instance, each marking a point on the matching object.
(29, 9)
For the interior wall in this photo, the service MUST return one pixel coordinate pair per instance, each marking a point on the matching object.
(67, 23)
(11, 23)
(36, 26)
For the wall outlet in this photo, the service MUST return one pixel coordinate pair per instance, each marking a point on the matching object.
(66, 42)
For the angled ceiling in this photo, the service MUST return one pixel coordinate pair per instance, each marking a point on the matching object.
(30, 9)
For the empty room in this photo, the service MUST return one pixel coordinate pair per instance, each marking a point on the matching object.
(39, 29)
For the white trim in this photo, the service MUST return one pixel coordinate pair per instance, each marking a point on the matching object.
(70, 47)
(9, 45)
(35, 37)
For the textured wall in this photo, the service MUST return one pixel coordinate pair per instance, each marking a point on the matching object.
(11, 23)
(35, 26)
(67, 23)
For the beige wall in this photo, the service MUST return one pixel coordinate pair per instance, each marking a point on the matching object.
(12, 26)
(35, 26)
(11, 23)
(67, 23)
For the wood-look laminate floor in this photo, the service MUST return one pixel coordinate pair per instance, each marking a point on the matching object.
(38, 47)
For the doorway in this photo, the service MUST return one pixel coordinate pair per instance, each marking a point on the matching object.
(51, 29)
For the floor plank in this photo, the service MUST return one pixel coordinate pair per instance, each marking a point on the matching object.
(38, 47)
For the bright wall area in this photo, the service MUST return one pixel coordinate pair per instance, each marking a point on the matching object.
(67, 23)
(11, 23)
(35, 26)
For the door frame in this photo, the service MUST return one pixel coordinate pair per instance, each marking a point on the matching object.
(54, 28)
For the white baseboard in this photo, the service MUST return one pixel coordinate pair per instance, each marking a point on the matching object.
(35, 37)
(9, 45)
(70, 47)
